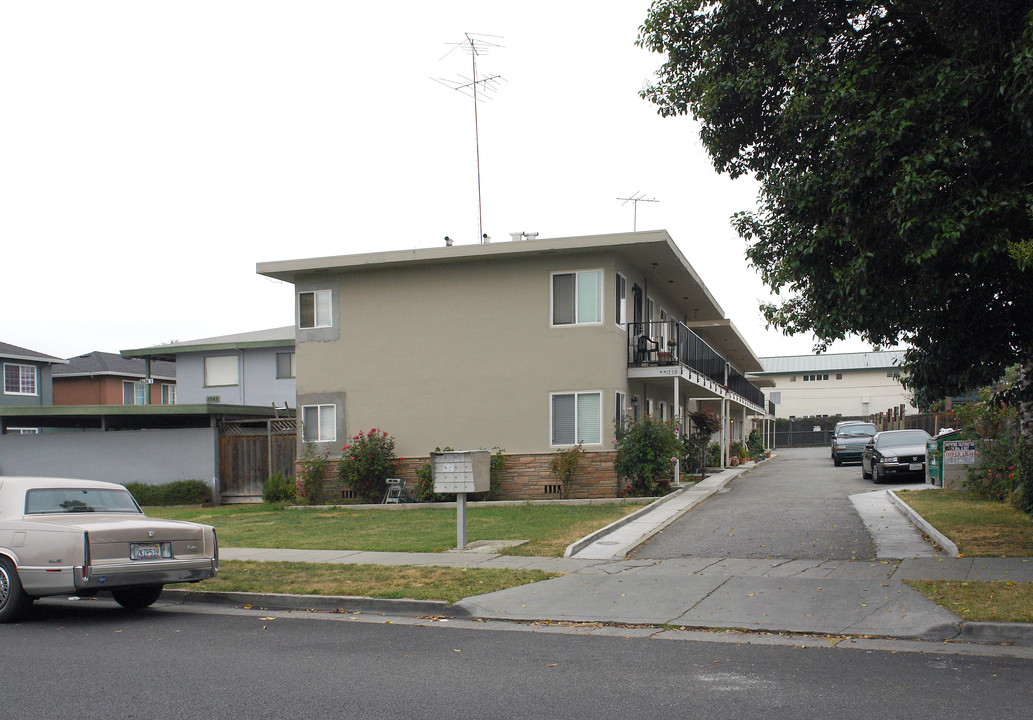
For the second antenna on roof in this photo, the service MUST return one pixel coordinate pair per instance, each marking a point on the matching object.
(479, 88)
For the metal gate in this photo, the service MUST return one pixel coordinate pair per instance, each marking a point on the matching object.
(250, 451)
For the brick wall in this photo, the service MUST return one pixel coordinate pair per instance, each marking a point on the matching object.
(527, 477)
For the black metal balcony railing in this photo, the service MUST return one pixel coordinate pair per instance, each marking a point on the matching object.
(672, 343)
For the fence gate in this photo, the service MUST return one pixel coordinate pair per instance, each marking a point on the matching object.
(252, 450)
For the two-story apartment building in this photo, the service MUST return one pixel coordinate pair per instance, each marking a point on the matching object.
(28, 380)
(251, 368)
(847, 384)
(530, 346)
(102, 378)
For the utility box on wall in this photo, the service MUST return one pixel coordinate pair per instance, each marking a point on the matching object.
(461, 472)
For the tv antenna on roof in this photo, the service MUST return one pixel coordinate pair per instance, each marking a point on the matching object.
(635, 200)
(480, 89)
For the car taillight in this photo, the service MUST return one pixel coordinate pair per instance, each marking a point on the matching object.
(86, 556)
(215, 550)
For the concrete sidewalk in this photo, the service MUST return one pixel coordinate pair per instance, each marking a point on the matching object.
(774, 594)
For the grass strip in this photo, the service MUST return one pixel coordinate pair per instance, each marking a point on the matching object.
(549, 529)
(379, 581)
(978, 527)
(981, 601)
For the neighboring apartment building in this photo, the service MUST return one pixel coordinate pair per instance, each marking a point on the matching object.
(252, 368)
(530, 346)
(848, 384)
(28, 380)
(101, 378)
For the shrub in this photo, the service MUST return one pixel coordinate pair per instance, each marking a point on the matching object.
(714, 455)
(996, 474)
(696, 445)
(367, 464)
(564, 467)
(178, 492)
(755, 445)
(278, 489)
(311, 475)
(645, 450)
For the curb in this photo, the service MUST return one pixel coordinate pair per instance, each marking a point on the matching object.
(579, 545)
(333, 603)
(997, 633)
(922, 524)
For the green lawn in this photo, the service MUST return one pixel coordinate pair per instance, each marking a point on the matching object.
(548, 528)
(380, 581)
(978, 527)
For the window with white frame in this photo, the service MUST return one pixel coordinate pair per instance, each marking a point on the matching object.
(621, 297)
(577, 297)
(285, 367)
(620, 410)
(22, 431)
(168, 394)
(221, 370)
(134, 393)
(20, 379)
(318, 423)
(314, 309)
(577, 417)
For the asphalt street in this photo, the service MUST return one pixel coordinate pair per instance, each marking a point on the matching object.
(91, 660)
(796, 508)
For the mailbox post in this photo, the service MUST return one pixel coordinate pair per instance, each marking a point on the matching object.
(461, 472)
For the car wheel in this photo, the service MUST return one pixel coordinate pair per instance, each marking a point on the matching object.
(13, 600)
(836, 461)
(137, 598)
(876, 477)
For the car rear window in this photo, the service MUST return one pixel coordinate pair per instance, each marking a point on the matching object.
(857, 431)
(907, 437)
(72, 500)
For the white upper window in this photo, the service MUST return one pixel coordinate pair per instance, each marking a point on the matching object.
(318, 423)
(577, 297)
(20, 379)
(221, 370)
(168, 394)
(577, 417)
(314, 309)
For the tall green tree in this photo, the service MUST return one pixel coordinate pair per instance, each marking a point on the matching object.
(893, 143)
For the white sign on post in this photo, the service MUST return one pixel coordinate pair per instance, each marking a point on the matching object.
(959, 452)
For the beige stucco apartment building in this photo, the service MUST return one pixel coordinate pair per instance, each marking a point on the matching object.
(530, 346)
(847, 384)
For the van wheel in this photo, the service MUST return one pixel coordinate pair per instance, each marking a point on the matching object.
(137, 598)
(836, 461)
(13, 600)
(865, 475)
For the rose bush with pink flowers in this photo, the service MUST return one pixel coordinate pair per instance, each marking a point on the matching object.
(367, 463)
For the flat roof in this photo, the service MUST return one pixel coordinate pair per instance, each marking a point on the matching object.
(272, 337)
(828, 362)
(119, 417)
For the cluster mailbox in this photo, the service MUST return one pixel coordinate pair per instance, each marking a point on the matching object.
(461, 472)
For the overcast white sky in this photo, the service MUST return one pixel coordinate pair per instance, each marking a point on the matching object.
(151, 153)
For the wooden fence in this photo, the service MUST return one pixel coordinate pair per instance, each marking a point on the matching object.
(252, 450)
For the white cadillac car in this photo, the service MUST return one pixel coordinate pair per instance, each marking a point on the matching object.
(81, 537)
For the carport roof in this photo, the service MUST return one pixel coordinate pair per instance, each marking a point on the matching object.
(131, 417)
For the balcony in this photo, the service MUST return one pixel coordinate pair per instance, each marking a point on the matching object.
(670, 342)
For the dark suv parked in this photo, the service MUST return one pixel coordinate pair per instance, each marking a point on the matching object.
(849, 441)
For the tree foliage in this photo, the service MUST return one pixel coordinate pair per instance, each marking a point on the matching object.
(893, 142)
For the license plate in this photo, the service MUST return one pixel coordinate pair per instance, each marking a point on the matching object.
(146, 551)
(914, 466)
